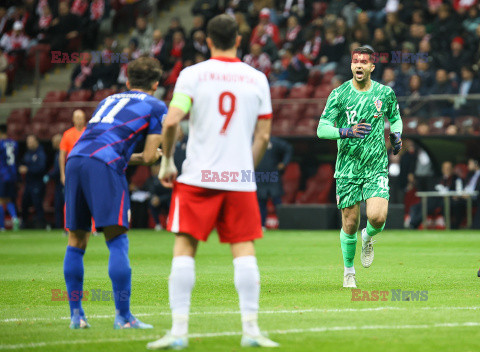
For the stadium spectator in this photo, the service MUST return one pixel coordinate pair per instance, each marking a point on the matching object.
(197, 45)
(122, 75)
(172, 52)
(444, 29)
(83, 76)
(63, 28)
(395, 30)
(414, 105)
(33, 167)
(472, 183)
(389, 79)
(43, 23)
(237, 6)
(135, 51)
(276, 158)
(331, 51)
(3, 73)
(245, 31)
(335, 7)
(159, 202)
(294, 33)
(157, 44)
(295, 71)
(469, 84)
(143, 32)
(198, 24)
(451, 130)
(442, 85)
(258, 60)
(380, 42)
(15, 42)
(311, 48)
(3, 20)
(448, 182)
(54, 176)
(106, 71)
(454, 59)
(96, 13)
(175, 26)
(206, 8)
(265, 30)
(426, 74)
(472, 21)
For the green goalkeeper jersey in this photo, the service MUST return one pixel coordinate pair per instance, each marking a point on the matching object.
(347, 106)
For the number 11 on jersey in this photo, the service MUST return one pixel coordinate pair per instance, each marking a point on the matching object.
(225, 109)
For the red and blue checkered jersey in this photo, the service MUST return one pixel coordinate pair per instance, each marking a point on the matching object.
(117, 125)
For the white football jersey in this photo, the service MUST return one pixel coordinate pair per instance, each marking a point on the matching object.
(228, 97)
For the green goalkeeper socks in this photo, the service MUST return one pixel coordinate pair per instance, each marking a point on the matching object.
(349, 245)
(371, 231)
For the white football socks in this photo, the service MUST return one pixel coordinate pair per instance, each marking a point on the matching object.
(348, 270)
(247, 283)
(181, 282)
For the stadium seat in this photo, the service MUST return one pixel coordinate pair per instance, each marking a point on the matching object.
(20, 115)
(291, 182)
(102, 94)
(44, 58)
(301, 92)
(318, 187)
(314, 78)
(141, 175)
(306, 127)
(291, 111)
(439, 124)
(41, 129)
(313, 111)
(327, 77)
(278, 92)
(55, 96)
(80, 95)
(65, 115)
(282, 126)
(61, 127)
(16, 130)
(468, 124)
(322, 91)
(410, 125)
(46, 115)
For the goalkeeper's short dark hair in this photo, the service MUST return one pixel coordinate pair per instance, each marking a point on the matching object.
(364, 50)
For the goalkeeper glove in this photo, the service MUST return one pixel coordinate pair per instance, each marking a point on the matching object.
(360, 130)
(396, 141)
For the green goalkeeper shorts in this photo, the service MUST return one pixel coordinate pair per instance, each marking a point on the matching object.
(350, 191)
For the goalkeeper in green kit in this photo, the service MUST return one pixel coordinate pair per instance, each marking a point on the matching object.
(355, 115)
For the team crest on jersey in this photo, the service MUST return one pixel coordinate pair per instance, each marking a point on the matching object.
(378, 105)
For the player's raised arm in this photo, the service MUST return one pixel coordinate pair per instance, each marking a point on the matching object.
(396, 124)
(326, 126)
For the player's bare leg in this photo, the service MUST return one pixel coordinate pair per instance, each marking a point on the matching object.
(73, 273)
(247, 283)
(121, 276)
(377, 209)
(180, 286)
(348, 241)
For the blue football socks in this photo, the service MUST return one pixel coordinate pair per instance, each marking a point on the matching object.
(73, 273)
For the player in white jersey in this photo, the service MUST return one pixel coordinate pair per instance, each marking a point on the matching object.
(229, 102)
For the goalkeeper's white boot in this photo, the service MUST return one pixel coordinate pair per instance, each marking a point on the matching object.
(257, 341)
(349, 280)
(169, 342)
(367, 251)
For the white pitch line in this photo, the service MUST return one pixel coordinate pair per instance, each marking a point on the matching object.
(292, 311)
(237, 333)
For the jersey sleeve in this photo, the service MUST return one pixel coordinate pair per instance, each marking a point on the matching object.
(393, 110)
(186, 83)
(158, 114)
(331, 111)
(266, 101)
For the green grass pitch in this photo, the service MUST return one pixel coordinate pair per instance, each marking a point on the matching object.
(303, 305)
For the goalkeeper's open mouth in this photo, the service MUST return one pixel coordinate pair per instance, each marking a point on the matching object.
(359, 75)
